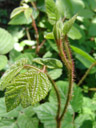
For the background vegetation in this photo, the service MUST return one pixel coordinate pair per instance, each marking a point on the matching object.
(18, 39)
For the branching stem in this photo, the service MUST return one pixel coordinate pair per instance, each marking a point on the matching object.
(86, 74)
(70, 67)
(69, 95)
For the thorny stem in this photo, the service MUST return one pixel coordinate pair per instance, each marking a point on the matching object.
(62, 53)
(70, 68)
(69, 95)
(67, 49)
(36, 32)
(59, 102)
(86, 74)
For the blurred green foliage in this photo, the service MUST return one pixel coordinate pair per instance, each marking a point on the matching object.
(18, 40)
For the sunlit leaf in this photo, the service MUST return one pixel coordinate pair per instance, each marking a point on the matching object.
(3, 61)
(52, 11)
(27, 89)
(11, 73)
(6, 41)
(17, 11)
(68, 24)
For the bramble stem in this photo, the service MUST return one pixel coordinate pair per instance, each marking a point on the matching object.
(36, 32)
(62, 53)
(59, 102)
(70, 67)
(69, 95)
(67, 49)
(86, 74)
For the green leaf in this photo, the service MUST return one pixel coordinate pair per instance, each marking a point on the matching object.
(64, 8)
(83, 13)
(27, 56)
(26, 121)
(93, 5)
(55, 74)
(28, 13)
(11, 73)
(83, 121)
(9, 123)
(47, 111)
(53, 45)
(74, 33)
(92, 30)
(68, 24)
(3, 61)
(4, 113)
(57, 30)
(77, 99)
(77, 5)
(6, 41)
(49, 62)
(52, 11)
(20, 46)
(20, 19)
(27, 88)
(47, 54)
(23, 117)
(83, 57)
(17, 11)
(49, 35)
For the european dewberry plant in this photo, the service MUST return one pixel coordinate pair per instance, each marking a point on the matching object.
(29, 84)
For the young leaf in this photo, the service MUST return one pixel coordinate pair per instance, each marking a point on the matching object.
(27, 88)
(6, 41)
(49, 62)
(3, 61)
(11, 73)
(57, 30)
(52, 11)
(68, 24)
